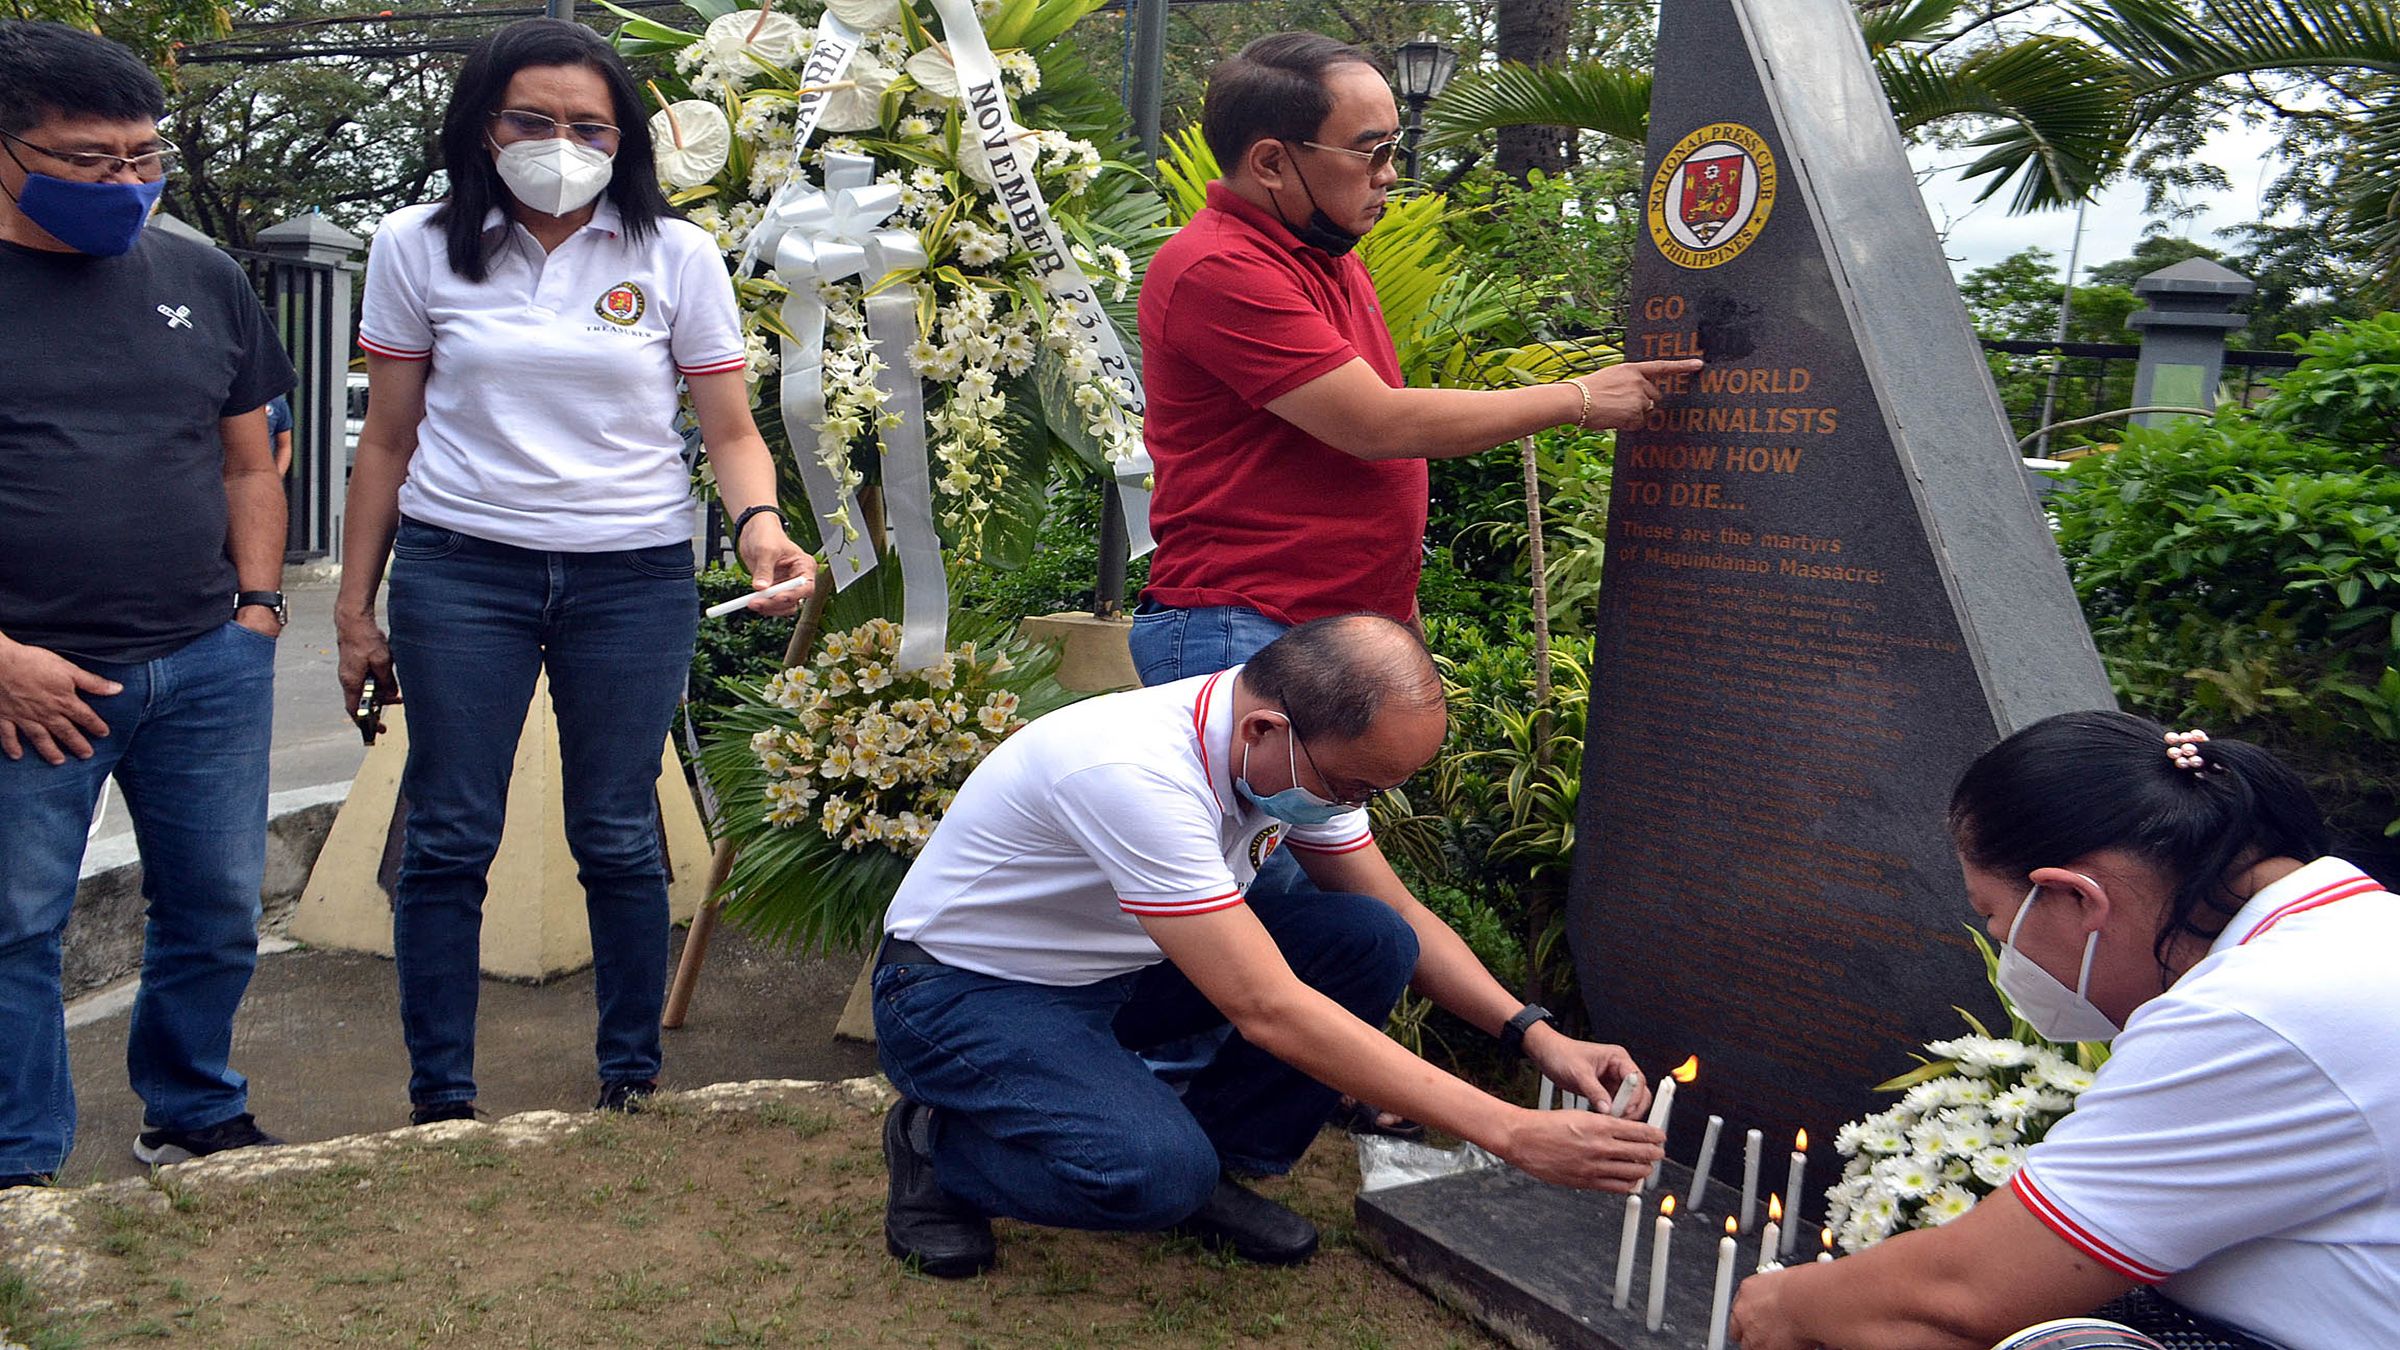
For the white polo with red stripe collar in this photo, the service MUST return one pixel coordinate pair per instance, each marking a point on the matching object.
(550, 404)
(1080, 825)
(2241, 1149)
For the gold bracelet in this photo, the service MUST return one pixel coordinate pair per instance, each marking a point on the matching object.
(1583, 419)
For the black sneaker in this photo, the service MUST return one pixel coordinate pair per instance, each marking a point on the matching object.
(626, 1098)
(162, 1147)
(921, 1221)
(1251, 1226)
(428, 1114)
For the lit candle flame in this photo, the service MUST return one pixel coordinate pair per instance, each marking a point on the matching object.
(1732, 1225)
(1826, 1235)
(1800, 1142)
(1775, 1209)
(1686, 1071)
(1666, 1207)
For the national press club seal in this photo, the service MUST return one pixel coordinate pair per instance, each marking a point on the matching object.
(1711, 195)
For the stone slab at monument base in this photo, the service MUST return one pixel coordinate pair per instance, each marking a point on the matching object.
(1536, 1265)
(1092, 658)
(534, 925)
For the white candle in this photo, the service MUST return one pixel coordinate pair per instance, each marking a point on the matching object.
(1770, 1239)
(1708, 1159)
(743, 601)
(1721, 1302)
(1662, 1108)
(1664, 1233)
(1549, 1097)
(1628, 1238)
(1827, 1254)
(1751, 1144)
(1791, 1191)
(1625, 1091)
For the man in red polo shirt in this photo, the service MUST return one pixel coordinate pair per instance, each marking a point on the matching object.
(1291, 479)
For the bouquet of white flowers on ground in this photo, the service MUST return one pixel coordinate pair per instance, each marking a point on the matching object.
(1966, 1116)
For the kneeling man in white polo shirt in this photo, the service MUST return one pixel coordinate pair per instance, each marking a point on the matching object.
(1085, 898)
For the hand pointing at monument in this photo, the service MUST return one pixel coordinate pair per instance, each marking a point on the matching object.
(1622, 395)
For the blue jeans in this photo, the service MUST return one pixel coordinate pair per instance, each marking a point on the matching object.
(1043, 1112)
(1176, 644)
(473, 623)
(187, 740)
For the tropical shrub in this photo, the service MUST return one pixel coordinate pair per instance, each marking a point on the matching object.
(2243, 572)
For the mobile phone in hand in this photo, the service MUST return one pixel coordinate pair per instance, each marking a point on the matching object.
(369, 712)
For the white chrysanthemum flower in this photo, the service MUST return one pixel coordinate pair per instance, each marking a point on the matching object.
(1930, 1138)
(1948, 1203)
(1994, 1166)
(1907, 1176)
(1928, 1096)
(1967, 1134)
(1019, 70)
(2066, 1076)
(2008, 1054)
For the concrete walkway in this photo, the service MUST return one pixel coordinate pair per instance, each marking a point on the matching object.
(319, 1039)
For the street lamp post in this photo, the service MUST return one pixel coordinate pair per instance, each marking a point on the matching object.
(1424, 66)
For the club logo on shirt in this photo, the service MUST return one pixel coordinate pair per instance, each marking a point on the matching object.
(1711, 195)
(621, 304)
(1262, 845)
(178, 317)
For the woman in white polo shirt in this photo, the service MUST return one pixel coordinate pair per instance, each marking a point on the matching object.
(2233, 1164)
(525, 338)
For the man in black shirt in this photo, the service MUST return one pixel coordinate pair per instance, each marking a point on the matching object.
(141, 548)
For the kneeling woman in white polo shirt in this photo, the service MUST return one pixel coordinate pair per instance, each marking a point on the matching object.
(2238, 1149)
(520, 461)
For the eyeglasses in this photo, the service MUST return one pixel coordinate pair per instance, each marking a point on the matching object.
(520, 125)
(1357, 803)
(149, 166)
(1376, 155)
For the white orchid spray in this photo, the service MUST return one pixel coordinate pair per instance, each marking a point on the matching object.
(1965, 1119)
(1001, 355)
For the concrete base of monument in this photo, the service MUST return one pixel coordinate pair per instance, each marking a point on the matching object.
(1536, 1264)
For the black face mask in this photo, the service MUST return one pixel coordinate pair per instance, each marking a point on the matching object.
(1320, 232)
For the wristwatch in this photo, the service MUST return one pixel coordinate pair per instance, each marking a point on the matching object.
(1512, 1034)
(273, 600)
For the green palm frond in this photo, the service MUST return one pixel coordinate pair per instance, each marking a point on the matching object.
(1588, 95)
(2174, 46)
(2063, 109)
(1889, 25)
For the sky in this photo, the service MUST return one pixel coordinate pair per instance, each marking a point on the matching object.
(1980, 235)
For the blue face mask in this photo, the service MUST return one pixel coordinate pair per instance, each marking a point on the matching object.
(1294, 805)
(101, 219)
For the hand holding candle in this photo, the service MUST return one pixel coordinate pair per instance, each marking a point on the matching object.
(1657, 1312)
(798, 583)
(1720, 1302)
(1662, 1108)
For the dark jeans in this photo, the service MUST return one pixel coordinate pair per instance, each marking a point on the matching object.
(473, 623)
(187, 740)
(1043, 1112)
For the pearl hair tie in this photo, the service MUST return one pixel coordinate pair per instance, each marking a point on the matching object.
(2180, 751)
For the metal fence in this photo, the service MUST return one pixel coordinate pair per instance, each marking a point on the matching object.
(2097, 377)
(308, 308)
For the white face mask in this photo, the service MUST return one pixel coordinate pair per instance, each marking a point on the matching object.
(2057, 1012)
(556, 175)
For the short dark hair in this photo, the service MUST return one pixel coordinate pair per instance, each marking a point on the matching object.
(475, 186)
(1273, 89)
(53, 70)
(1333, 676)
(2081, 781)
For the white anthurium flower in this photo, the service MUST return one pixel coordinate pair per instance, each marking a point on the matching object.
(855, 103)
(866, 16)
(935, 73)
(775, 38)
(692, 139)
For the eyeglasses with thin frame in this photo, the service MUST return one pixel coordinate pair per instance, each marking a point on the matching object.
(149, 166)
(1360, 803)
(1376, 155)
(524, 125)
